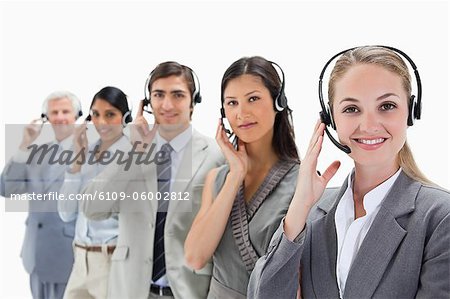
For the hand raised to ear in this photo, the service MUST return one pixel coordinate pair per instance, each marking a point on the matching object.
(140, 133)
(310, 185)
(237, 158)
(30, 133)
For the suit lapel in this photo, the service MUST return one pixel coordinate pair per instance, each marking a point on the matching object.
(193, 157)
(53, 174)
(382, 239)
(323, 247)
(151, 183)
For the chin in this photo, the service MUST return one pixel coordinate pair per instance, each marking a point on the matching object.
(247, 139)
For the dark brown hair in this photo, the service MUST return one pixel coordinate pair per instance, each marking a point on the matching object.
(283, 140)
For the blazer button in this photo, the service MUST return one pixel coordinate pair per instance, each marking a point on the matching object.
(39, 225)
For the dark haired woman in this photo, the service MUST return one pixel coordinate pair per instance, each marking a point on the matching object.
(94, 240)
(244, 201)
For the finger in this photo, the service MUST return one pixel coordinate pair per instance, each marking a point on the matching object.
(219, 128)
(152, 132)
(241, 146)
(314, 139)
(331, 171)
(140, 110)
(143, 129)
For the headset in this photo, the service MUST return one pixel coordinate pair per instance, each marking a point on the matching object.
(279, 103)
(44, 116)
(196, 97)
(126, 118)
(415, 103)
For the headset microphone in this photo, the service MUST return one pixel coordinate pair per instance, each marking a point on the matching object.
(222, 114)
(415, 103)
(340, 146)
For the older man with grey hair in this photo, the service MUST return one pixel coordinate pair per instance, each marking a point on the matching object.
(47, 253)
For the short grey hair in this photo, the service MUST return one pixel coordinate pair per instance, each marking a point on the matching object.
(61, 94)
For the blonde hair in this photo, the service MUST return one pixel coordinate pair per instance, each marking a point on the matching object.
(391, 61)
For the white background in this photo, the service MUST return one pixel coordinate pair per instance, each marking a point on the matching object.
(83, 46)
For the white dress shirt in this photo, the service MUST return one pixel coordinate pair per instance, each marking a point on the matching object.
(351, 232)
(90, 232)
(178, 145)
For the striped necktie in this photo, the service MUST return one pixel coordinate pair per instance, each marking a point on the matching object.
(164, 175)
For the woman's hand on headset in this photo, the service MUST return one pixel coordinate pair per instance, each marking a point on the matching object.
(80, 144)
(310, 185)
(237, 158)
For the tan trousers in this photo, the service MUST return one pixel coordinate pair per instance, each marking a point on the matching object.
(90, 274)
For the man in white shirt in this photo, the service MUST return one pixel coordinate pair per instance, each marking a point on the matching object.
(47, 253)
(148, 261)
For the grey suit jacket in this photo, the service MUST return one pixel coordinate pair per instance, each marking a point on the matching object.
(132, 260)
(405, 254)
(47, 246)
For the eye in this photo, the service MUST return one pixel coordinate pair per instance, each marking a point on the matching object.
(110, 114)
(350, 109)
(94, 114)
(232, 103)
(179, 95)
(387, 106)
(253, 98)
(158, 95)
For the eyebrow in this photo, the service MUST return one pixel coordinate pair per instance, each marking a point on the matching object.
(107, 110)
(386, 95)
(172, 91)
(246, 95)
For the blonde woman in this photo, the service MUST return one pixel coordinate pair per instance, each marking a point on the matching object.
(385, 232)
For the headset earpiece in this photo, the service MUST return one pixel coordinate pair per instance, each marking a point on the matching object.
(415, 110)
(280, 101)
(326, 116)
(418, 109)
(411, 106)
(126, 118)
(44, 117)
(196, 97)
(330, 116)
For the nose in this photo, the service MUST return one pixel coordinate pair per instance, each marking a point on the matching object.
(370, 123)
(167, 103)
(59, 117)
(243, 110)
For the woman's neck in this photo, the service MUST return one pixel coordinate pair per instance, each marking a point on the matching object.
(369, 177)
(104, 145)
(261, 154)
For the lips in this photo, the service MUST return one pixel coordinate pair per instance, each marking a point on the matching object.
(370, 141)
(247, 125)
(167, 115)
(104, 131)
